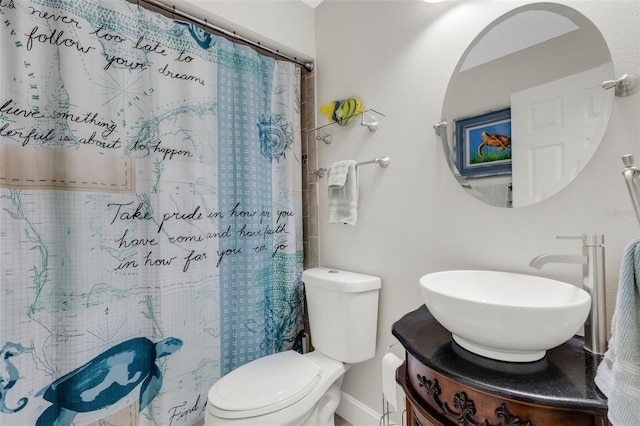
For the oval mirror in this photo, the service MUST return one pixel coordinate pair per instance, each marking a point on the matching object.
(525, 108)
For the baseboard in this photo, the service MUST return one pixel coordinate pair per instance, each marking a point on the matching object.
(356, 413)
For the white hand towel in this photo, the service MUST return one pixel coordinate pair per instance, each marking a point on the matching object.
(337, 173)
(343, 200)
(618, 375)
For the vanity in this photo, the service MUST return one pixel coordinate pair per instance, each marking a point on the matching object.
(448, 385)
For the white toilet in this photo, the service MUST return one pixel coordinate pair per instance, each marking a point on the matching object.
(287, 389)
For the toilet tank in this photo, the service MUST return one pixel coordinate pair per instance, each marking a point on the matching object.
(343, 313)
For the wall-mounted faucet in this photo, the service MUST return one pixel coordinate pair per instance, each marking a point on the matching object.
(592, 261)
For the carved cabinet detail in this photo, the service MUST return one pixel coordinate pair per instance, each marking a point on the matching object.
(436, 400)
(464, 410)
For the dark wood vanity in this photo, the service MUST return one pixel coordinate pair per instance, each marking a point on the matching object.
(448, 385)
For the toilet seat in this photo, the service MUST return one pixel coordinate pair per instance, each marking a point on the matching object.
(264, 385)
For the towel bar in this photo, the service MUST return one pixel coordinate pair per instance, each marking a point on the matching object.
(382, 162)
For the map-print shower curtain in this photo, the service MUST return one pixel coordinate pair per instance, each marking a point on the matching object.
(150, 213)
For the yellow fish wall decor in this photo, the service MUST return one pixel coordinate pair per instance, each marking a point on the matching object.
(342, 111)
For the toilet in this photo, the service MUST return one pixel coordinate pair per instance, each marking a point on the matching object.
(287, 388)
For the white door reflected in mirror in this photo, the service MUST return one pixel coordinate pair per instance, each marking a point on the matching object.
(557, 125)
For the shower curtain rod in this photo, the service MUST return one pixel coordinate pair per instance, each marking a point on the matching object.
(308, 65)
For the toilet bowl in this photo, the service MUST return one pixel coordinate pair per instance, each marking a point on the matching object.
(287, 388)
(308, 392)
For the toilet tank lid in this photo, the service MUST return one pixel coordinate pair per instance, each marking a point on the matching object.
(266, 384)
(342, 281)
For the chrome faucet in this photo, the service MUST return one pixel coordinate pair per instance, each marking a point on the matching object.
(592, 261)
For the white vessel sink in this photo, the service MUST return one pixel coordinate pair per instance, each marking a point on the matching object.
(503, 315)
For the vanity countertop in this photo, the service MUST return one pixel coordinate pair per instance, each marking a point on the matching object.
(563, 378)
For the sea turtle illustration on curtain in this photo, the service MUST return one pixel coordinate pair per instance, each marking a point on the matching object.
(106, 379)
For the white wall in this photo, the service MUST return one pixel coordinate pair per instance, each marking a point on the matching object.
(414, 218)
(287, 25)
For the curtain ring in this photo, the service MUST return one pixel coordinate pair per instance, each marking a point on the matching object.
(173, 13)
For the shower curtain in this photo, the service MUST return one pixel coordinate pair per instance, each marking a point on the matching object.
(150, 213)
